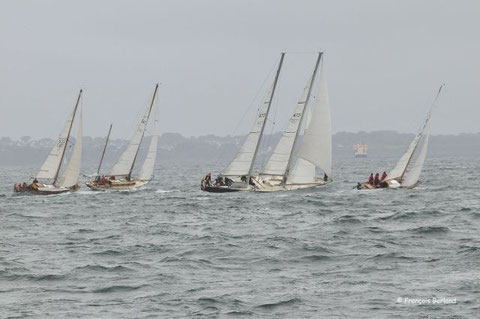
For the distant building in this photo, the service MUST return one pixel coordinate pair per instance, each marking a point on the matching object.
(360, 150)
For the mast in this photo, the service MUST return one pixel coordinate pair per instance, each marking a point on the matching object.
(104, 149)
(68, 137)
(301, 117)
(277, 75)
(143, 133)
(421, 132)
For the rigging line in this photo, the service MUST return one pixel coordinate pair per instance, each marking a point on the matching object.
(275, 105)
(305, 52)
(252, 102)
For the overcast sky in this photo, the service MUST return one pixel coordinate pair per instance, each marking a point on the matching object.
(384, 62)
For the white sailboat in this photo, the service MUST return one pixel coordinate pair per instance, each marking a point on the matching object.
(67, 181)
(238, 173)
(120, 177)
(406, 173)
(314, 149)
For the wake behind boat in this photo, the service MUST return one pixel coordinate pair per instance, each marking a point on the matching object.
(311, 152)
(406, 173)
(120, 178)
(51, 168)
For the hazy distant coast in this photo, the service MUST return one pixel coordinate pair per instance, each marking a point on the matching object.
(175, 147)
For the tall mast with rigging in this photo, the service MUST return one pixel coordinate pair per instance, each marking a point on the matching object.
(104, 149)
(302, 116)
(143, 133)
(269, 102)
(68, 137)
(421, 132)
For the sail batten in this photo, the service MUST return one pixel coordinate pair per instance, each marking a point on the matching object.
(242, 164)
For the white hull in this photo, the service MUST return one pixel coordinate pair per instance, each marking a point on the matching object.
(118, 185)
(276, 185)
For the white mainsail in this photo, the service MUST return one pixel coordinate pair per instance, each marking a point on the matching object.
(124, 165)
(278, 162)
(398, 172)
(414, 171)
(146, 172)
(316, 144)
(71, 174)
(242, 164)
(402, 163)
(51, 166)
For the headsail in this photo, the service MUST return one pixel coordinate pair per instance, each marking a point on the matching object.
(413, 174)
(70, 176)
(279, 161)
(51, 166)
(316, 144)
(401, 167)
(242, 164)
(146, 172)
(125, 164)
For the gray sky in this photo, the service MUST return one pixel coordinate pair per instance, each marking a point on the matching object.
(384, 62)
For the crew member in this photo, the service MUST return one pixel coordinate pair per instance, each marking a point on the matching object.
(370, 180)
(377, 179)
(384, 175)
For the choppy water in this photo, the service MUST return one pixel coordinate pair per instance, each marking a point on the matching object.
(171, 251)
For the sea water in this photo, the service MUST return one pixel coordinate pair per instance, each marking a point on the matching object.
(172, 251)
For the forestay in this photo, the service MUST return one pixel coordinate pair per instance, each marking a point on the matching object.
(71, 174)
(316, 144)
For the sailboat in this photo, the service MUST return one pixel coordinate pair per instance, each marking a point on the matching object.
(67, 181)
(294, 161)
(313, 151)
(406, 173)
(120, 177)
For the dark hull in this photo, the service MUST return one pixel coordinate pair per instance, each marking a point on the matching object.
(221, 189)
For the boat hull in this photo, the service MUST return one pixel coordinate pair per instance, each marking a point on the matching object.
(46, 190)
(117, 185)
(383, 185)
(265, 186)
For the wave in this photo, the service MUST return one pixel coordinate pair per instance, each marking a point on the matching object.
(118, 288)
(430, 230)
(270, 306)
(101, 268)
